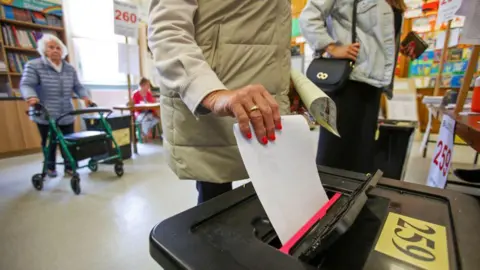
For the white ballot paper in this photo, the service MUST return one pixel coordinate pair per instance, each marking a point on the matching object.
(284, 175)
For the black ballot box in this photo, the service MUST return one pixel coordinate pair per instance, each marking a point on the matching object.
(399, 226)
(120, 125)
(392, 147)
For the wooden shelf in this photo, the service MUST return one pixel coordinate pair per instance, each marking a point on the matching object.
(14, 74)
(20, 49)
(32, 25)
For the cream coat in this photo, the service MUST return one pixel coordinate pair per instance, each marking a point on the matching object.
(206, 45)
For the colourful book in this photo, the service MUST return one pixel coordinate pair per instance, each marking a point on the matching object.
(39, 18)
(8, 11)
(15, 36)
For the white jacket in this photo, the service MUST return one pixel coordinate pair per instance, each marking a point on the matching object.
(376, 61)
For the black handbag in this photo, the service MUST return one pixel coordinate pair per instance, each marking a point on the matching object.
(331, 74)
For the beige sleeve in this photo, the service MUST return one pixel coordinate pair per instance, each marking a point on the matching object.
(177, 57)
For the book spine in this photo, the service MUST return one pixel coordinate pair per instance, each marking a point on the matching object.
(11, 63)
(32, 40)
(10, 35)
(15, 35)
(19, 63)
(5, 36)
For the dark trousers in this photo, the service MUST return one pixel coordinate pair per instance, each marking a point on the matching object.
(207, 191)
(65, 129)
(358, 106)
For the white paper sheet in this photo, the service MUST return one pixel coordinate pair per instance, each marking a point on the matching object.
(129, 59)
(424, 143)
(471, 31)
(452, 42)
(284, 175)
(447, 10)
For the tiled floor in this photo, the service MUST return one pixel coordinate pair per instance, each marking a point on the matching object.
(107, 227)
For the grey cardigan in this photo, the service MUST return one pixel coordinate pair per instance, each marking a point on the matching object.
(53, 89)
(375, 31)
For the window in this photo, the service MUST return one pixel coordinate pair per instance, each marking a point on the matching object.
(90, 25)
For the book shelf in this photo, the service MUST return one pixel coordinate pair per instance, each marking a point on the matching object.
(21, 28)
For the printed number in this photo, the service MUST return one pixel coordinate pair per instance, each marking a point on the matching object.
(125, 16)
(415, 251)
(446, 154)
(118, 15)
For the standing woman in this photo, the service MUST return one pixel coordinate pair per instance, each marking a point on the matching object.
(327, 26)
(52, 81)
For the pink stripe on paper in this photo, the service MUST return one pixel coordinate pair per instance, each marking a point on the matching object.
(320, 214)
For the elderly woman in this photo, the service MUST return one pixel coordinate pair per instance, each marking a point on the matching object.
(52, 81)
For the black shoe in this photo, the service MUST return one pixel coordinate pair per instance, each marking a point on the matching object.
(52, 173)
(472, 176)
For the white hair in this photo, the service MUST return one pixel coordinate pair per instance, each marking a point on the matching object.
(42, 44)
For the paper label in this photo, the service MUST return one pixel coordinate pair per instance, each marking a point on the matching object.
(417, 242)
(442, 158)
(125, 19)
(121, 136)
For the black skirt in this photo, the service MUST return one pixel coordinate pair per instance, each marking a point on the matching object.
(358, 107)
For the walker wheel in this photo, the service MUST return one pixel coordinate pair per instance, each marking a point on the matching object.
(37, 181)
(75, 184)
(119, 169)
(93, 165)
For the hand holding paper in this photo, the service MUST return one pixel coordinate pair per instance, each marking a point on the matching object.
(284, 175)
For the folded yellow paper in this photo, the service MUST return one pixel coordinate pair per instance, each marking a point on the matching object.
(320, 106)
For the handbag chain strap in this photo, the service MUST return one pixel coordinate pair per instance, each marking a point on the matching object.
(354, 21)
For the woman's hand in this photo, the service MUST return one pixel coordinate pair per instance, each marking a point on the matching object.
(252, 103)
(87, 101)
(344, 51)
(32, 101)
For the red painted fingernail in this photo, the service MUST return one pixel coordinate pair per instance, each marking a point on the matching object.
(279, 126)
(272, 137)
(249, 135)
(264, 140)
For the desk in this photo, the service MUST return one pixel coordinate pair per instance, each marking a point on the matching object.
(467, 128)
(138, 107)
(134, 108)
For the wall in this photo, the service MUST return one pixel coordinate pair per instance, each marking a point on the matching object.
(109, 97)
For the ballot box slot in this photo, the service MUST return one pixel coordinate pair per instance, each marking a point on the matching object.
(264, 231)
(338, 219)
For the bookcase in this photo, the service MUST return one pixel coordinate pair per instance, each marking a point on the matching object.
(22, 23)
(21, 28)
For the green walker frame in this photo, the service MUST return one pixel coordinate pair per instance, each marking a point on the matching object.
(55, 135)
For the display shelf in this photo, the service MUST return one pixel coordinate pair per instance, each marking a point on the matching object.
(32, 25)
(21, 27)
(20, 49)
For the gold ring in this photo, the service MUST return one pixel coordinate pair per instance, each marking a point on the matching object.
(254, 108)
